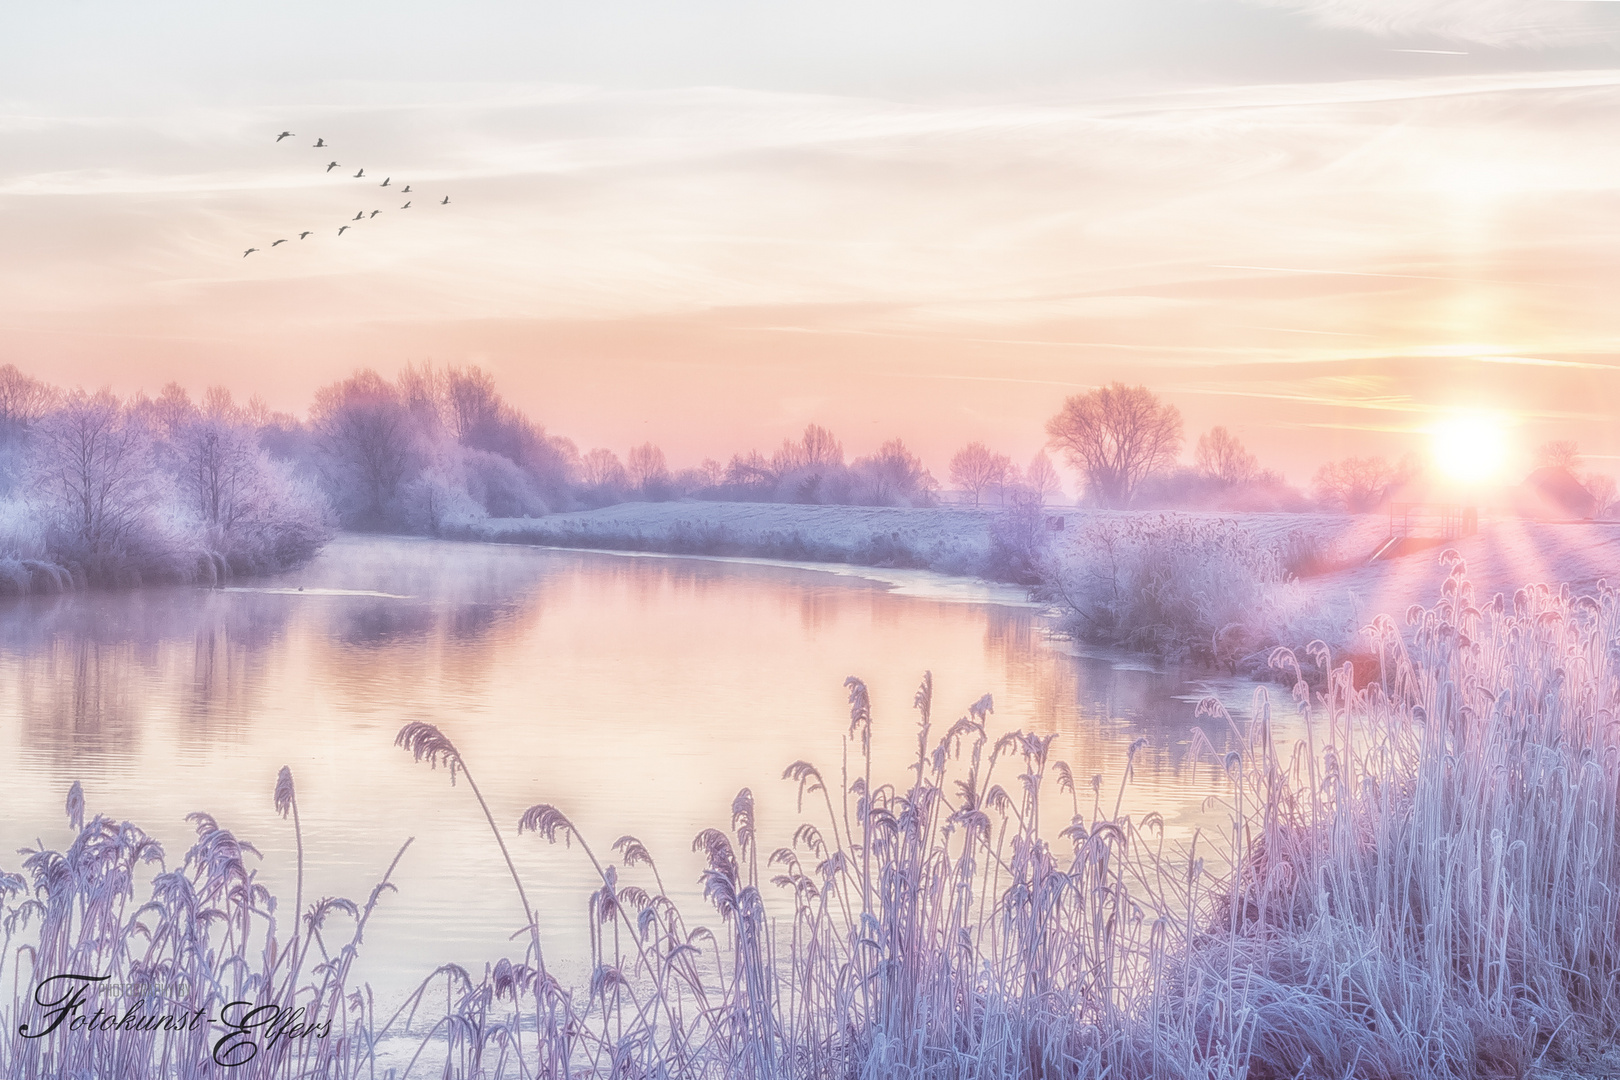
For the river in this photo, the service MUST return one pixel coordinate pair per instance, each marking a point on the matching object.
(638, 694)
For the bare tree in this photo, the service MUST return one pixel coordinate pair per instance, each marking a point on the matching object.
(647, 469)
(422, 391)
(976, 469)
(750, 470)
(816, 449)
(601, 468)
(1041, 479)
(1116, 436)
(1559, 453)
(894, 475)
(472, 404)
(1603, 489)
(1355, 484)
(93, 470)
(170, 410)
(218, 461)
(23, 400)
(1221, 458)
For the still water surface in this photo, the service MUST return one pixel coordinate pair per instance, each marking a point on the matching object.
(637, 694)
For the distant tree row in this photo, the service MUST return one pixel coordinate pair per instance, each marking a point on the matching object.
(108, 489)
(982, 474)
(1124, 443)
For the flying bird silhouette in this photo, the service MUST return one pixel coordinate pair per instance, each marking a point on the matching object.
(374, 213)
(319, 143)
(283, 241)
(359, 216)
(343, 230)
(332, 166)
(359, 174)
(248, 252)
(407, 205)
(305, 233)
(406, 190)
(385, 181)
(284, 135)
(444, 201)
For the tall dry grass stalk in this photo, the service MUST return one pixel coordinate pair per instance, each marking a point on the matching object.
(1425, 884)
(207, 935)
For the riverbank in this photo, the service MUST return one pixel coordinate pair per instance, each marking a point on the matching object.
(1218, 590)
(953, 540)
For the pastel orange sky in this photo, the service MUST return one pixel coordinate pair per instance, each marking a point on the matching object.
(1327, 224)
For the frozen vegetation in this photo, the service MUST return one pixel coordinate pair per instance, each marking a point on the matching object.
(99, 491)
(1420, 878)
(953, 540)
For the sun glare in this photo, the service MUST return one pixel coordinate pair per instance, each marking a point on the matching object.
(1470, 449)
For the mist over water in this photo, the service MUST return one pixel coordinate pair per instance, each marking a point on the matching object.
(636, 694)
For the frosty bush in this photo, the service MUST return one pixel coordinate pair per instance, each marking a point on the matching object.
(108, 491)
(1180, 588)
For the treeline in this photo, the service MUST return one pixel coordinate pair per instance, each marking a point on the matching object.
(101, 490)
(95, 490)
(810, 469)
(1125, 445)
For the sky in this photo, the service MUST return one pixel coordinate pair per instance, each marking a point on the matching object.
(1330, 225)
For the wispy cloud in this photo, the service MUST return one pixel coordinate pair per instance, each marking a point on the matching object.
(1234, 242)
(1533, 23)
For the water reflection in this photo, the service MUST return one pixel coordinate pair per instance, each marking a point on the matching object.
(638, 694)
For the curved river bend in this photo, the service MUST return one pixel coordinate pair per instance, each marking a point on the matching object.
(637, 694)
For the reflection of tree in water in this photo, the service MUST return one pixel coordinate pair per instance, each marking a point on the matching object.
(376, 624)
(455, 609)
(87, 674)
(820, 608)
(1095, 705)
(88, 669)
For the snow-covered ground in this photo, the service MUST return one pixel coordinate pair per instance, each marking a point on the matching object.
(1504, 555)
(951, 539)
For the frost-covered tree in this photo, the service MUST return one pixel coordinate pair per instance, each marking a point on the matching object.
(976, 469)
(1116, 436)
(252, 510)
(93, 469)
(1355, 484)
(893, 476)
(23, 401)
(1220, 457)
(647, 471)
(601, 468)
(368, 443)
(1041, 479)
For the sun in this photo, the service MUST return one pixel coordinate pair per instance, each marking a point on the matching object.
(1470, 449)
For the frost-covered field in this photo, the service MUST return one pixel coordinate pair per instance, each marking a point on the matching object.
(1501, 557)
(950, 539)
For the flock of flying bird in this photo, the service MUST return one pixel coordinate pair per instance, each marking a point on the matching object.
(362, 215)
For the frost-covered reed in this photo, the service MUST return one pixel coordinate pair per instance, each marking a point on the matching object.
(1419, 878)
(206, 935)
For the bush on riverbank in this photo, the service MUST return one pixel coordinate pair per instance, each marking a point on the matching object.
(1187, 589)
(1424, 885)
